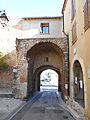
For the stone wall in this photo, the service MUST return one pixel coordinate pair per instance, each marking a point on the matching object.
(28, 48)
(6, 69)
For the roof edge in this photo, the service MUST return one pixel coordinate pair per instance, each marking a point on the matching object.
(43, 17)
(64, 5)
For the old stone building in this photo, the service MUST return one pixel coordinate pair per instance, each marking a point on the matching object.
(41, 46)
(76, 14)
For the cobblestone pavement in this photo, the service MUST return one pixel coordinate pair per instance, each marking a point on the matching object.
(46, 106)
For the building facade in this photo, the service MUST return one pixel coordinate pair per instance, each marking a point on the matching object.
(76, 15)
(40, 46)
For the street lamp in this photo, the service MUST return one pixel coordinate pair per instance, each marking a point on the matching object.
(3, 18)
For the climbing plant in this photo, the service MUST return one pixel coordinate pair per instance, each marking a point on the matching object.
(3, 65)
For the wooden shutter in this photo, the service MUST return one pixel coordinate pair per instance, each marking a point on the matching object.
(74, 33)
(86, 15)
(72, 12)
(74, 5)
(89, 12)
(73, 9)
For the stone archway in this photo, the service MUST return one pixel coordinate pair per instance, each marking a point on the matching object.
(37, 52)
(40, 57)
(78, 83)
(37, 76)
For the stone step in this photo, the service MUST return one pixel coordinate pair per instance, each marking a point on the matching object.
(6, 95)
(76, 108)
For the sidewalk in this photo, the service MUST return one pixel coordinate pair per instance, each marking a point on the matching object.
(75, 109)
(7, 103)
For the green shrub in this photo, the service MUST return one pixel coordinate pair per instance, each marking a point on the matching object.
(3, 65)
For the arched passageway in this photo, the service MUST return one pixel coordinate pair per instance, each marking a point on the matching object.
(44, 56)
(78, 83)
(38, 73)
(49, 80)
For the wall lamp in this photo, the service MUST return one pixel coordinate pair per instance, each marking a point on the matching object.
(3, 18)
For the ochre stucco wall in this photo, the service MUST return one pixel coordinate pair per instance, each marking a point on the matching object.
(80, 49)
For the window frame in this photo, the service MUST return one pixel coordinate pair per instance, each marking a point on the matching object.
(42, 28)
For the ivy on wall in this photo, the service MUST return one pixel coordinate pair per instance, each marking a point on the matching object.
(3, 65)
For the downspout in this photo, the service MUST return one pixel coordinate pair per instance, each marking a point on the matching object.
(67, 36)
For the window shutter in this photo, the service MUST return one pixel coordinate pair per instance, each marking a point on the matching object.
(74, 33)
(89, 12)
(41, 28)
(86, 16)
(72, 12)
(73, 9)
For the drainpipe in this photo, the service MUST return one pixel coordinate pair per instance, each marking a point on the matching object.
(67, 36)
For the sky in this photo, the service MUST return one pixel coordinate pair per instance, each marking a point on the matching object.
(31, 8)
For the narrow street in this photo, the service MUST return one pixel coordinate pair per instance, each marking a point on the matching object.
(45, 106)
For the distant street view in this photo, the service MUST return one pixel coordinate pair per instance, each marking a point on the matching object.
(49, 80)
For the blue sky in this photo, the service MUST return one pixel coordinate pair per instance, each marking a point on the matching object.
(31, 8)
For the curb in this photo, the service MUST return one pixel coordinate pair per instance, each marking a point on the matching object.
(65, 106)
(15, 111)
(75, 114)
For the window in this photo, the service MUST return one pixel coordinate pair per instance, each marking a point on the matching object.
(74, 33)
(87, 15)
(44, 28)
(46, 59)
(73, 12)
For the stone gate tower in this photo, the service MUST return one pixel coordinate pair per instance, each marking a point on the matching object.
(41, 46)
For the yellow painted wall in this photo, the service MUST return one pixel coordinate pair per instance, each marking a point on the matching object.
(87, 62)
(81, 49)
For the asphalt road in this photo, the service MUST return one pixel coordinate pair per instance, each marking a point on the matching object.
(45, 106)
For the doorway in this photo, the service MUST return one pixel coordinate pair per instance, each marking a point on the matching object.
(78, 83)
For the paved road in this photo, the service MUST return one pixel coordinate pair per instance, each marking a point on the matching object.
(46, 106)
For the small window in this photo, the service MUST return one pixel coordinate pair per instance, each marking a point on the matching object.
(44, 28)
(46, 59)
